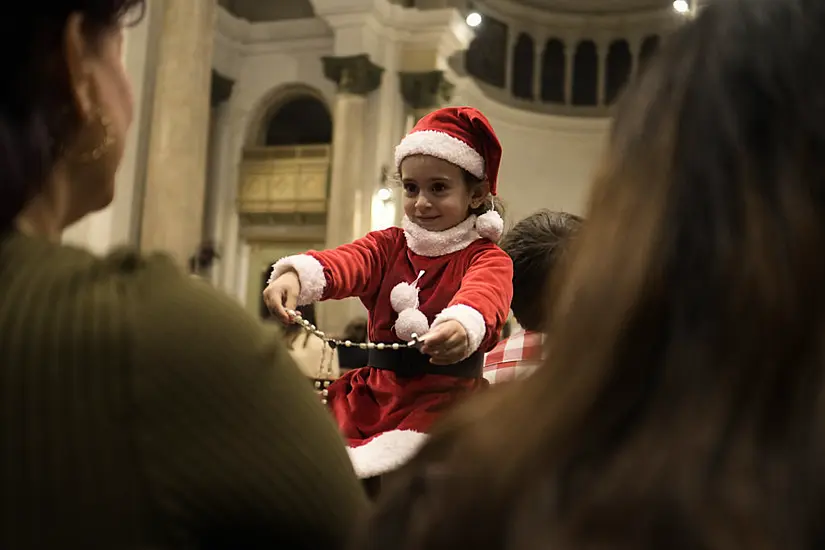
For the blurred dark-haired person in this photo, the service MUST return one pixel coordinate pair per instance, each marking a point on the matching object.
(140, 407)
(681, 405)
(536, 245)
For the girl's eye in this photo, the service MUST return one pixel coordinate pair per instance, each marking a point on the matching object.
(410, 188)
(439, 187)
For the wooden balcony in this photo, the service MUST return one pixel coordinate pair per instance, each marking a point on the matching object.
(284, 180)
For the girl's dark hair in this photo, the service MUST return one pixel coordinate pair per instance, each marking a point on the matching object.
(682, 401)
(37, 119)
(473, 182)
(292, 331)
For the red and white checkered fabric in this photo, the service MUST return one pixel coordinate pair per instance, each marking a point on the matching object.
(514, 357)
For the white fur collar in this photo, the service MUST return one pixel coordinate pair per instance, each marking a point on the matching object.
(439, 243)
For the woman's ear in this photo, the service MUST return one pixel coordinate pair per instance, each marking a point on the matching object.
(77, 49)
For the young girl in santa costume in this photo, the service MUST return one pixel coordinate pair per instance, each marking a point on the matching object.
(441, 277)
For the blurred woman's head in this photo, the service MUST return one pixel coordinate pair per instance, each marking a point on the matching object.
(65, 108)
(683, 399)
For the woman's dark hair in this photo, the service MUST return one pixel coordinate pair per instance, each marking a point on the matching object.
(682, 403)
(37, 119)
(536, 245)
(292, 331)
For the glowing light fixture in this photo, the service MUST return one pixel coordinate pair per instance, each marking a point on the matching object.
(384, 194)
(681, 6)
(474, 19)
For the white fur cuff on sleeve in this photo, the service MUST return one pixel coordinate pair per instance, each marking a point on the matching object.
(470, 319)
(310, 274)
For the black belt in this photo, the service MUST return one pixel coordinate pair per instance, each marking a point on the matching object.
(409, 362)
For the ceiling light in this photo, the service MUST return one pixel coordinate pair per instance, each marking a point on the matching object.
(474, 19)
(681, 6)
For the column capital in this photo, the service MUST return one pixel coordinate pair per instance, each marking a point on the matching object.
(425, 90)
(354, 74)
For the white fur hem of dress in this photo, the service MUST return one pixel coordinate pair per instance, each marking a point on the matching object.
(385, 452)
(470, 319)
(310, 274)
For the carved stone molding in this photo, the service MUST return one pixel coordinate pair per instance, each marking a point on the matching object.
(354, 74)
(427, 90)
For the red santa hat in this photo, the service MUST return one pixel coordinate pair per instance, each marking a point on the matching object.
(464, 137)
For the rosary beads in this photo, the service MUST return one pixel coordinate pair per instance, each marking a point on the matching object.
(324, 379)
(333, 343)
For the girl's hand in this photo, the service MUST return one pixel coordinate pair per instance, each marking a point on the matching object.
(446, 343)
(282, 294)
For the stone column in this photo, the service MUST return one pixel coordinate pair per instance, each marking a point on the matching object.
(424, 92)
(512, 38)
(538, 65)
(176, 168)
(356, 76)
(602, 49)
(569, 58)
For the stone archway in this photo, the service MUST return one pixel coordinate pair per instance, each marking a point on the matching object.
(271, 103)
(284, 182)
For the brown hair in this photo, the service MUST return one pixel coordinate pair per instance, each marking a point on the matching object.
(682, 402)
(488, 204)
(536, 245)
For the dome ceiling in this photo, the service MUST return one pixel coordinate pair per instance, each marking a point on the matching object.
(596, 6)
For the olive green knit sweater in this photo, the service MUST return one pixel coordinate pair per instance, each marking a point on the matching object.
(140, 408)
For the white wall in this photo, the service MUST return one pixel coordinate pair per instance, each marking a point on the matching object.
(547, 161)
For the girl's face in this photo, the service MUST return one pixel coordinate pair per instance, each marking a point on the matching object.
(436, 196)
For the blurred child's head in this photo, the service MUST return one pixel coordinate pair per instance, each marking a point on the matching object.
(536, 245)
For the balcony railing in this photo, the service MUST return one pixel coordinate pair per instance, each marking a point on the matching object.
(283, 180)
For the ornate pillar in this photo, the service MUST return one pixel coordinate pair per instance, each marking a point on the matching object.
(424, 92)
(356, 76)
(176, 168)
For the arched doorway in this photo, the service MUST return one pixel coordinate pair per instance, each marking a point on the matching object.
(303, 120)
(284, 183)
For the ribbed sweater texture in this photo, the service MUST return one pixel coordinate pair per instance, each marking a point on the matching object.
(141, 408)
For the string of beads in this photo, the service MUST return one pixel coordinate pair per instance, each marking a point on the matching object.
(325, 372)
(333, 343)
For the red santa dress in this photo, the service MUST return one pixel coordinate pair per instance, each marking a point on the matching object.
(460, 276)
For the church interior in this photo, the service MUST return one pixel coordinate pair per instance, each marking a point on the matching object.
(265, 128)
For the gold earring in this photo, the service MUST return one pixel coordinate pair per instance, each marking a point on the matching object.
(107, 141)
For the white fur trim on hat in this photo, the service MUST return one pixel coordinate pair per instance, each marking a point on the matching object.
(440, 145)
(470, 319)
(385, 452)
(310, 274)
